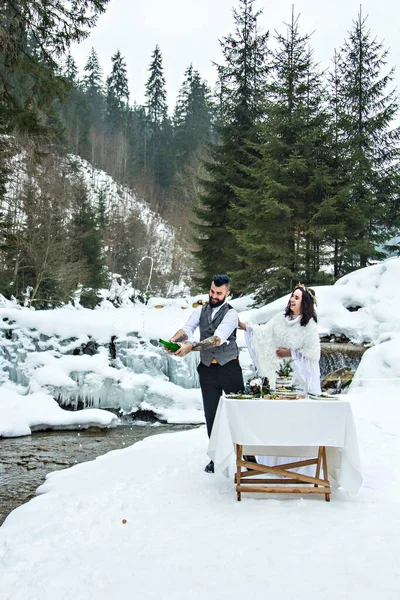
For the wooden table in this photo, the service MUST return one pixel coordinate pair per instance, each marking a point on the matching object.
(320, 433)
(297, 483)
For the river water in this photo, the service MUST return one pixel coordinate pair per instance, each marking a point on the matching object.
(25, 461)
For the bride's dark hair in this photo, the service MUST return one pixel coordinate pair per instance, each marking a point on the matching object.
(307, 305)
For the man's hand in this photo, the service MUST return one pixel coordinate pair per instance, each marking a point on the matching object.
(183, 350)
(167, 349)
(283, 352)
(179, 336)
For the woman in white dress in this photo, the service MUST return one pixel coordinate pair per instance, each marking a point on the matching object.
(292, 334)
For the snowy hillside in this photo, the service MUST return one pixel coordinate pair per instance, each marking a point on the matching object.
(161, 238)
(159, 258)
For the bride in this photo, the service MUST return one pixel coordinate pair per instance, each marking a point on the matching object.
(291, 334)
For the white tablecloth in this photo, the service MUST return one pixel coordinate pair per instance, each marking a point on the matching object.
(288, 428)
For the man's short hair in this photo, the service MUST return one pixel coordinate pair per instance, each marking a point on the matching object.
(221, 279)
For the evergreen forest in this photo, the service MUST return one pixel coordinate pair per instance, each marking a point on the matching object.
(279, 173)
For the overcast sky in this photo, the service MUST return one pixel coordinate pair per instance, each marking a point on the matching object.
(187, 31)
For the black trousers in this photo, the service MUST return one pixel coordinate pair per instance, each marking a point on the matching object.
(213, 381)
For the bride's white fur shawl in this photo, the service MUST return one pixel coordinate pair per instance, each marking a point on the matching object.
(282, 332)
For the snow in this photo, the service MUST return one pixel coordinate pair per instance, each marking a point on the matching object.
(147, 520)
(20, 415)
(186, 536)
(147, 321)
(372, 289)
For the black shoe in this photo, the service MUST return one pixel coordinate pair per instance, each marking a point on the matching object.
(249, 458)
(210, 467)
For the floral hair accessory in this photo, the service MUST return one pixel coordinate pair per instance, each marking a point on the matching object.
(309, 291)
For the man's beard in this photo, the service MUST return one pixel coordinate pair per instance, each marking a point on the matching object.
(214, 303)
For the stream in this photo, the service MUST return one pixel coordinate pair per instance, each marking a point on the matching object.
(25, 461)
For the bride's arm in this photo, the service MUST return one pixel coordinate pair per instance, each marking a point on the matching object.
(283, 352)
(242, 325)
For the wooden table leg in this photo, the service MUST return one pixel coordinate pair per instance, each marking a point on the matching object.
(318, 469)
(239, 452)
(325, 469)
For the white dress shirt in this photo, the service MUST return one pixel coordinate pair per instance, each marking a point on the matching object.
(224, 329)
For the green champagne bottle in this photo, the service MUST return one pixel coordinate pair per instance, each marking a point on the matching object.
(170, 345)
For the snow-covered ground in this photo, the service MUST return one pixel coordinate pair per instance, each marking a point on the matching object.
(147, 521)
(20, 415)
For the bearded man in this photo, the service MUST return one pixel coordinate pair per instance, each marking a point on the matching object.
(219, 369)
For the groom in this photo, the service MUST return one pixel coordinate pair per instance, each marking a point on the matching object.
(219, 369)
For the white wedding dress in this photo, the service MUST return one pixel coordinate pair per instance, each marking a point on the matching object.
(303, 342)
(285, 332)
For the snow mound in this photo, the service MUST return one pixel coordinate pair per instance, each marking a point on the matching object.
(20, 415)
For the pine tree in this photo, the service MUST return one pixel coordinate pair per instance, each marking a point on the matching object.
(156, 95)
(70, 70)
(193, 117)
(117, 119)
(85, 239)
(93, 120)
(289, 176)
(330, 214)
(102, 211)
(93, 77)
(366, 111)
(137, 135)
(159, 130)
(34, 35)
(117, 91)
(73, 109)
(7, 235)
(243, 78)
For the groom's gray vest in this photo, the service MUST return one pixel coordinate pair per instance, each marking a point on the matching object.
(223, 353)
